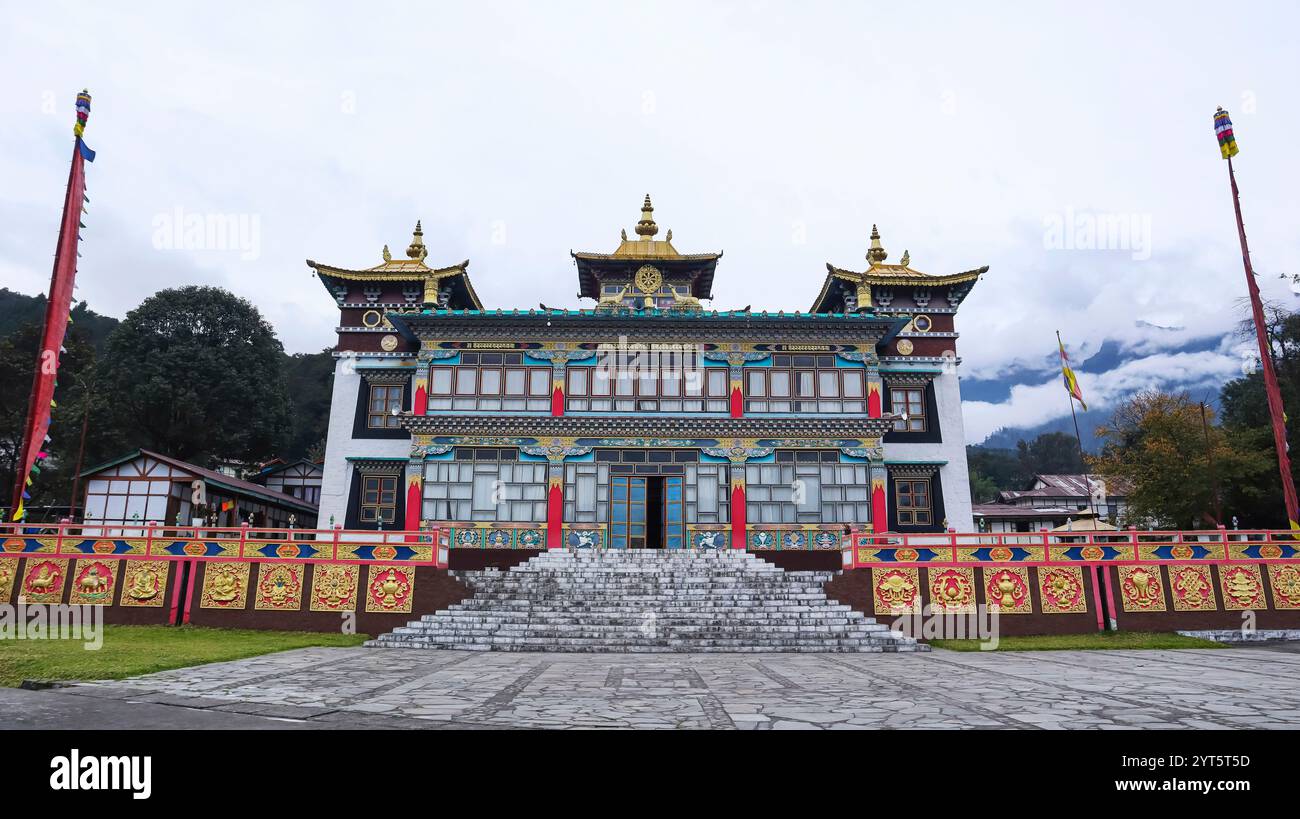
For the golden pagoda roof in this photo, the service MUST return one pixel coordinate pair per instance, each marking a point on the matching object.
(644, 247)
(881, 274)
(412, 268)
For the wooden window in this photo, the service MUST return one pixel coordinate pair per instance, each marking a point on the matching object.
(378, 498)
(824, 390)
(910, 404)
(912, 501)
(384, 399)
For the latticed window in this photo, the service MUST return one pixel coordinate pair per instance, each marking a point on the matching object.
(650, 381)
(378, 498)
(490, 381)
(385, 404)
(912, 501)
(708, 493)
(807, 487)
(909, 403)
(485, 484)
(586, 493)
(805, 383)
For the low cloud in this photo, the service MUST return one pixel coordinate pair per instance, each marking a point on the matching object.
(1031, 405)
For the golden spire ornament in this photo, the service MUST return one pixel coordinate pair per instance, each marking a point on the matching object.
(876, 254)
(417, 250)
(647, 227)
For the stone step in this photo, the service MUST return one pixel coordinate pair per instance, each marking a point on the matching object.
(725, 601)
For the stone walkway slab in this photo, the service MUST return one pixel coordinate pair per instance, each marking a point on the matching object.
(356, 687)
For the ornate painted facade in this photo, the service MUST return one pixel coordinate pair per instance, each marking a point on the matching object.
(645, 420)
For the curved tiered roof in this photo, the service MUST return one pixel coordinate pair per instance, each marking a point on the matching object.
(411, 269)
(880, 274)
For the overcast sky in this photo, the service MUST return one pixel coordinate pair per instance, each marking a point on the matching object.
(778, 132)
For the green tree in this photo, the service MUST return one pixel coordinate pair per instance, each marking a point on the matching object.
(1052, 453)
(197, 373)
(991, 471)
(1157, 443)
(311, 385)
(1246, 418)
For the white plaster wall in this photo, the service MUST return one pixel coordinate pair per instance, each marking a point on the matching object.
(340, 445)
(953, 476)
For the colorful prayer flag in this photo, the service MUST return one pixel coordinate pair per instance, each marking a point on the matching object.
(1071, 383)
(1223, 130)
(57, 310)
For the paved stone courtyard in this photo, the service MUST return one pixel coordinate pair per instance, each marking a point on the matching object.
(332, 687)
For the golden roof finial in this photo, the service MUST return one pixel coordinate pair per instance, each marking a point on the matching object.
(906, 259)
(647, 227)
(388, 257)
(417, 250)
(876, 254)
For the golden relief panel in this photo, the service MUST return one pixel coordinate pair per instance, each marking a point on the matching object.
(8, 574)
(279, 587)
(144, 583)
(1060, 588)
(952, 590)
(334, 587)
(43, 579)
(1191, 588)
(1141, 589)
(895, 590)
(1006, 590)
(1243, 587)
(389, 589)
(93, 582)
(225, 585)
(1285, 580)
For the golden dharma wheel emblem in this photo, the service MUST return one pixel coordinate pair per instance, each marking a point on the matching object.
(905, 346)
(648, 279)
(388, 343)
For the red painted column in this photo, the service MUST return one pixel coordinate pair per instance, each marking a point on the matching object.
(874, 406)
(737, 401)
(555, 514)
(557, 399)
(738, 539)
(414, 501)
(879, 505)
(420, 404)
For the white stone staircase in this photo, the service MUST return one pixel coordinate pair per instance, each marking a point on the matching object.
(647, 600)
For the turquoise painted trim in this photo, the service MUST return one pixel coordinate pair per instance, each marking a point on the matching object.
(395, 365)
(706, 458)
(524, 456)
(853, 459)
(659, 314)
(853, 365)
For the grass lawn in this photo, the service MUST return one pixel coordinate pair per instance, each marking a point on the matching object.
(1096, 639)
(131, 650)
